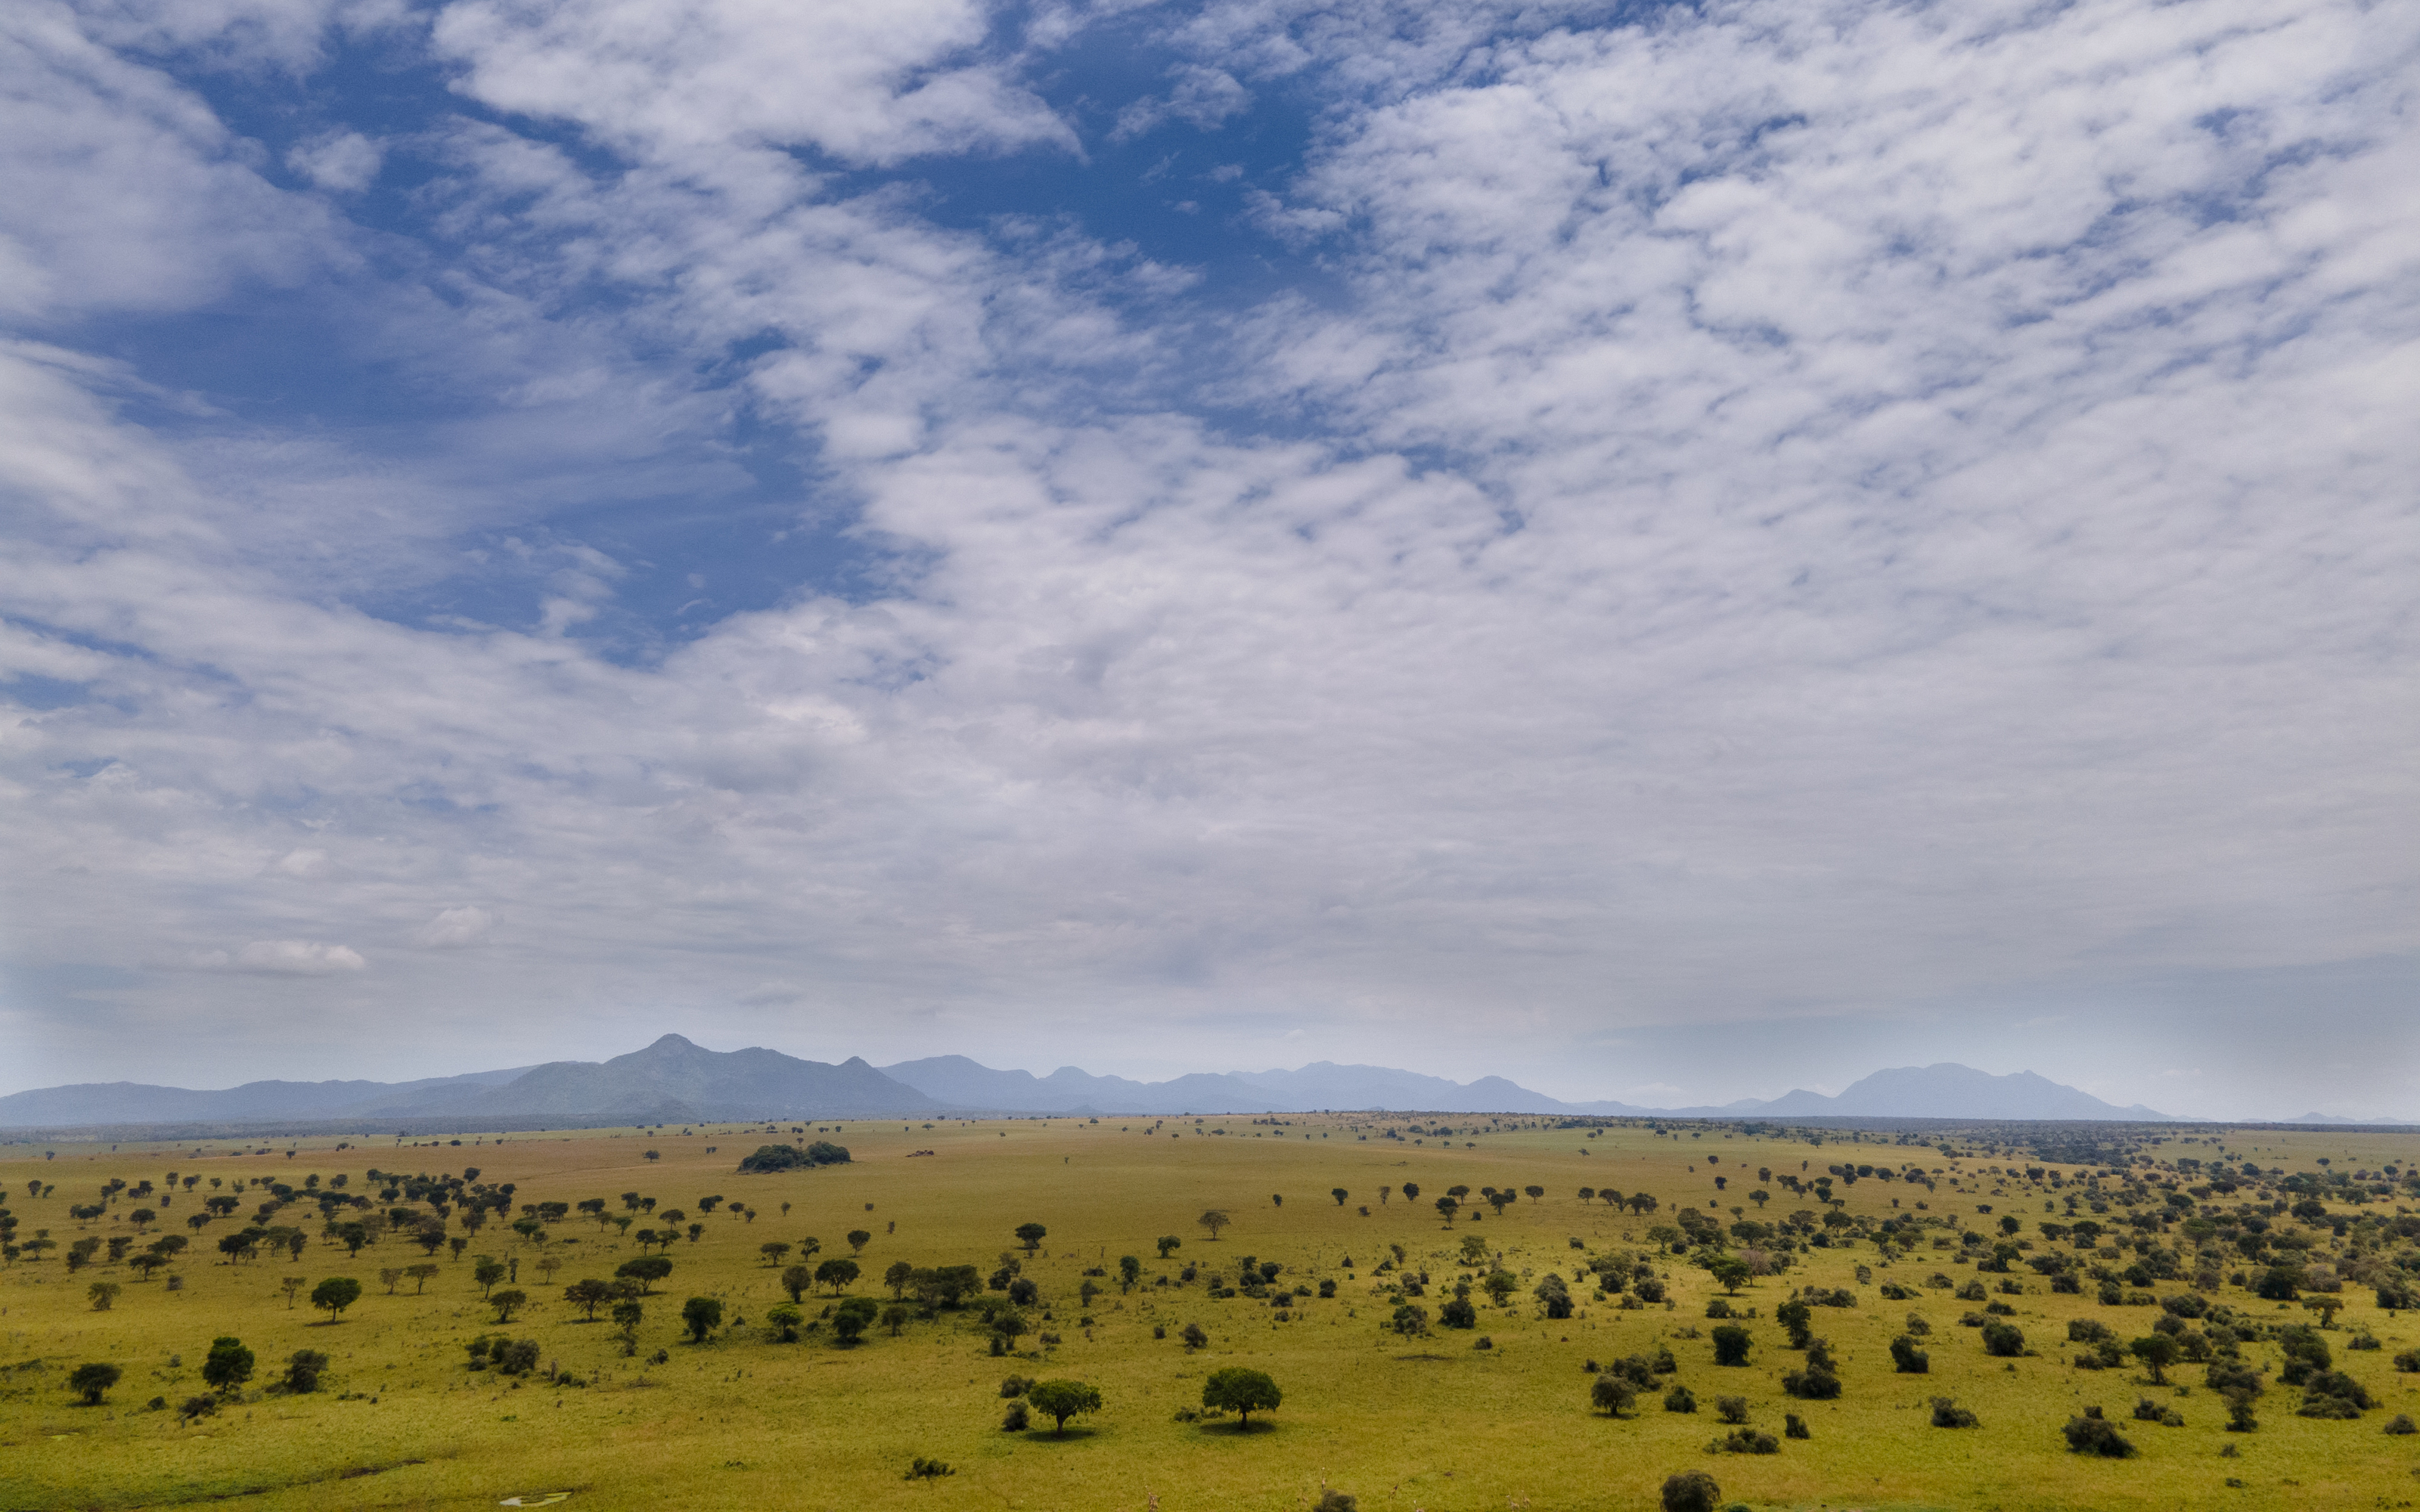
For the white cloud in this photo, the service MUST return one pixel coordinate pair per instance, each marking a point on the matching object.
(284, 957)
(453, 928)
(1787, 514)
(345, 162)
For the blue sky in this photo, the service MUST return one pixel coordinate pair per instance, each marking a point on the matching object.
(1663, 552)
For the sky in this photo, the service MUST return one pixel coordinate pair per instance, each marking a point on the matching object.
(1666, 552)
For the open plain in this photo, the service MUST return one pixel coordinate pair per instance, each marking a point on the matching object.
(1399, 1411)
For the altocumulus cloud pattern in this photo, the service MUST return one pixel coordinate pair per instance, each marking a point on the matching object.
(1521, 532)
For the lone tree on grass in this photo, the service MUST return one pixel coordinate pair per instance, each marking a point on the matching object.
(1241, 1391)
(1129, 1272)
(1446, 1207)
(1730, 1345)
(102, 1293)
(1030, 1236)
(1213, 1220)
(333, 1295)
(90, 1380)
(645, 1270)
(1339, 1194)
(229, 1365)
(1167, 1242)
(1612, 1394)
(507, 1302)
(1194, 1336)
(857, 1240)
(1060, 1401)
(700, 1316)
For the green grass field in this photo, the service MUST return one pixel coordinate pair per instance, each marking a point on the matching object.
(1399, 1422)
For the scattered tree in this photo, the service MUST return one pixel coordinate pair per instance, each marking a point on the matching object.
(507, 1302)
(1213, 1220)
(102, 1293)
(1060, 1401)
(588, 1296)
(333, 1295)
(228, 1366)
(1167, 1242)
(1612, 1394)
(857, 1240)
(91, 1380)
(836, 1272)
(1730, 1345)
(303, 1368)
(1030, 1236)
(1193, 1336)
(700, 1316)
(1692, 1490)
(1129, 1272)
(1242, 1392)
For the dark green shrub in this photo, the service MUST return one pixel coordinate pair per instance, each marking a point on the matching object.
(2093, 1434)
(1946, 1414)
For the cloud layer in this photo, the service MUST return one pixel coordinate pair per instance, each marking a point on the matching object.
(1723, 550)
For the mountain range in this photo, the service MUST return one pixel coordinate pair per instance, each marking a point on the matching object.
(674, 1081)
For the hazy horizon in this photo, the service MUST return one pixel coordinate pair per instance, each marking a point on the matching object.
(1665, 554)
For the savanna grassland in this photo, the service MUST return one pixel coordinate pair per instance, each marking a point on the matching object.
(1398, 1410)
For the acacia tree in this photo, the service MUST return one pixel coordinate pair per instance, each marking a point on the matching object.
(333, 1295)
(1446, 1207)
(1213, 1220)
(588, 1296)
(1129, 1272)
(700, 1316)
(229, 1365)
(507, 1302)
(836, 1274)
(1167, 1242)
(1060, 1401)
(857, 1240)
(1242, 1392)
(1339, 1194)
(90, 1380)
(1030, 1236)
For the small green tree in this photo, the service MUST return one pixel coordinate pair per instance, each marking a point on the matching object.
(1167, 1242)
(1692, 1490)
(895, 1315)
(1730, 1345)
(1242, 1392)
(228, 1366)
(851, 1319)
(1446, 1207)
(2157, 1351)
(1030, 1236)
(333, 1295)
(836, 1274)
(1339, 1194)
(1612, 1394)
(1060, 1401)
(795, 1279)
(486, 1271)
(627, 1318)
(784, 1318)
(1213, 1220)
(588, 1296)
(700, 1316)
(102, 1293)
(897, 1277)
(303, 1368)
(857, 1240)
(91, 1380)
(507, 1302)
(773, 1251)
